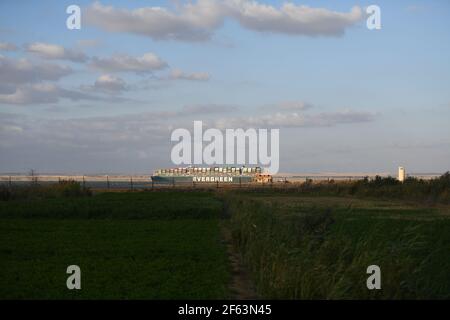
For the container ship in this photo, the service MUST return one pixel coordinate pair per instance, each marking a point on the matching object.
(231, 175)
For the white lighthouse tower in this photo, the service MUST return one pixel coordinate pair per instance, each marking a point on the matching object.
(401, 174)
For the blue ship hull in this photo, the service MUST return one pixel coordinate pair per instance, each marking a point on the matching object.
(202, 179)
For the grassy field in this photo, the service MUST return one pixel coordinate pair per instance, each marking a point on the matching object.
(303, 247)
(169, 244)
(163, 245)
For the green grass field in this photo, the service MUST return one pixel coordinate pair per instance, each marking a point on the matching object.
(303, 247)
(169, 245)
(128, 245)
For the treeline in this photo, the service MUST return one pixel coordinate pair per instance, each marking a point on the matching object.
(431, 191)
(64, 188)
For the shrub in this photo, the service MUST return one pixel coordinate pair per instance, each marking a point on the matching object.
(434, 190)
(62, 189)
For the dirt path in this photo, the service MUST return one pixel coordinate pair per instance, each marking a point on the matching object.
(241, 285)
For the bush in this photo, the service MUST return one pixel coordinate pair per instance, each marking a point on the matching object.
(62, 189)
(431, 191)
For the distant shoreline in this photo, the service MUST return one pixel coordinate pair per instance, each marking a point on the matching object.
(147, 177)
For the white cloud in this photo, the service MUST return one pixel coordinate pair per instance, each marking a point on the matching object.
(88, 43)
(205, 109)
(19, 71)
(42, 93)
(6, 46)
(32, 142)
(193, 22)
(198, 21)
(110, 83)
(296, 120)
(148, 63)
(94, 134)
(293, 19)
(178, 74)
(57, 52)
(290, 106)
(10, 129)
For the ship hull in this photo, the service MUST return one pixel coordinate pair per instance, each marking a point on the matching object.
(201, 179)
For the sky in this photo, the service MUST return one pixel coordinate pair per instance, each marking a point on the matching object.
(105, 98)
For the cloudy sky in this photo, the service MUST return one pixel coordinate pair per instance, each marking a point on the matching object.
(104, 99)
